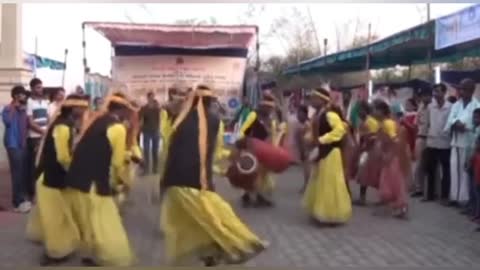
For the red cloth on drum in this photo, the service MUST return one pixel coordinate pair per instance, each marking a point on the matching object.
(238, 180)
(273, 158)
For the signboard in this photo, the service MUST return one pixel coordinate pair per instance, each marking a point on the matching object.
(143, 74)
(97, 85)
(457, 28)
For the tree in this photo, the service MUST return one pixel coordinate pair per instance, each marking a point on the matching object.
(196, 21)
(353, 34)
(468, 63)
(295, 32)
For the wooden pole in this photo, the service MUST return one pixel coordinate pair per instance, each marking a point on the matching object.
(65, 69)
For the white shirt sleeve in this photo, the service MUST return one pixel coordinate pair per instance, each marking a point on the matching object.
(51, 109)
(29, 108)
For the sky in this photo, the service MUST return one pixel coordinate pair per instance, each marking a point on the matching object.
(56, 27)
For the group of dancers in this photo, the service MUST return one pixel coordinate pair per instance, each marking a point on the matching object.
(86, 161)
(85, 165)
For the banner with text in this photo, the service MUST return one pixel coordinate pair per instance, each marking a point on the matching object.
(143, 74)
(457, 28)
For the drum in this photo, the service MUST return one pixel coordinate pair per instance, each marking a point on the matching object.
(242, 173)
(273, 158)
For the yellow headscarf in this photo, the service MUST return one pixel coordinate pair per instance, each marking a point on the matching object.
(113, 97)
(73, 100)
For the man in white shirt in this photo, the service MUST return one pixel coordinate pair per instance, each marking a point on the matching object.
(37, 113)
(438, 144)
(460, 126)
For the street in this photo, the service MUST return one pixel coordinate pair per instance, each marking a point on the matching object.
(433, 237)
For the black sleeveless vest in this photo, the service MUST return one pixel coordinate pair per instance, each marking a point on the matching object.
(257, 130)
(182, 167)
(323, 128)
(53, 172)
(92, 159)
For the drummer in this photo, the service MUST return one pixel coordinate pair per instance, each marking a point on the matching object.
(260, 124)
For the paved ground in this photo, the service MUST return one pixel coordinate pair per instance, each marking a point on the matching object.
(434, 237)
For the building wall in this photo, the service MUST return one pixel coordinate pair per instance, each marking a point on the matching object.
(12, 69)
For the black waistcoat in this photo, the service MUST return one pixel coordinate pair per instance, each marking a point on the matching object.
(257, 130)
(53, 172)
(182, 167)
(92, 159)
(324, 128)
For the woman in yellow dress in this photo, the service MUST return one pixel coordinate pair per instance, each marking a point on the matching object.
(95, 173)
(326, 198)
(395, 166)
(198, 224)
(262, 125)
(51, 221)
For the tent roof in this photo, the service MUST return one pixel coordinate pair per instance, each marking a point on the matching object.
(405, 48)
(177, 36)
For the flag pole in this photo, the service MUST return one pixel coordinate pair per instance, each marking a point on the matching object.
(35, 57)
(65, 67)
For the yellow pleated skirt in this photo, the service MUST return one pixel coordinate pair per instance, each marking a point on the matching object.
(51, 222)
(103, 237)
(198, 224)
(326, 198)
(156, 179)
(265, 183)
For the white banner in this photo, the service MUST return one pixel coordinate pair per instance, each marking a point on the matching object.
(143, 74)
(457, 28)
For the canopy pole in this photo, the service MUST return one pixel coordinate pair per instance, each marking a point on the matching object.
(409, 74)
(65, 68)
(84, 47)
(429, 52)
(368, 82)
(257, 68)
(325, 45)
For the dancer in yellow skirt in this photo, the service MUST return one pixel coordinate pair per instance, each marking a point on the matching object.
(261, 125)
(197, 223)
(221, 153)
(96, 171)
(326, 198)
(167, 114)
(134, 158)
(51, 221)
